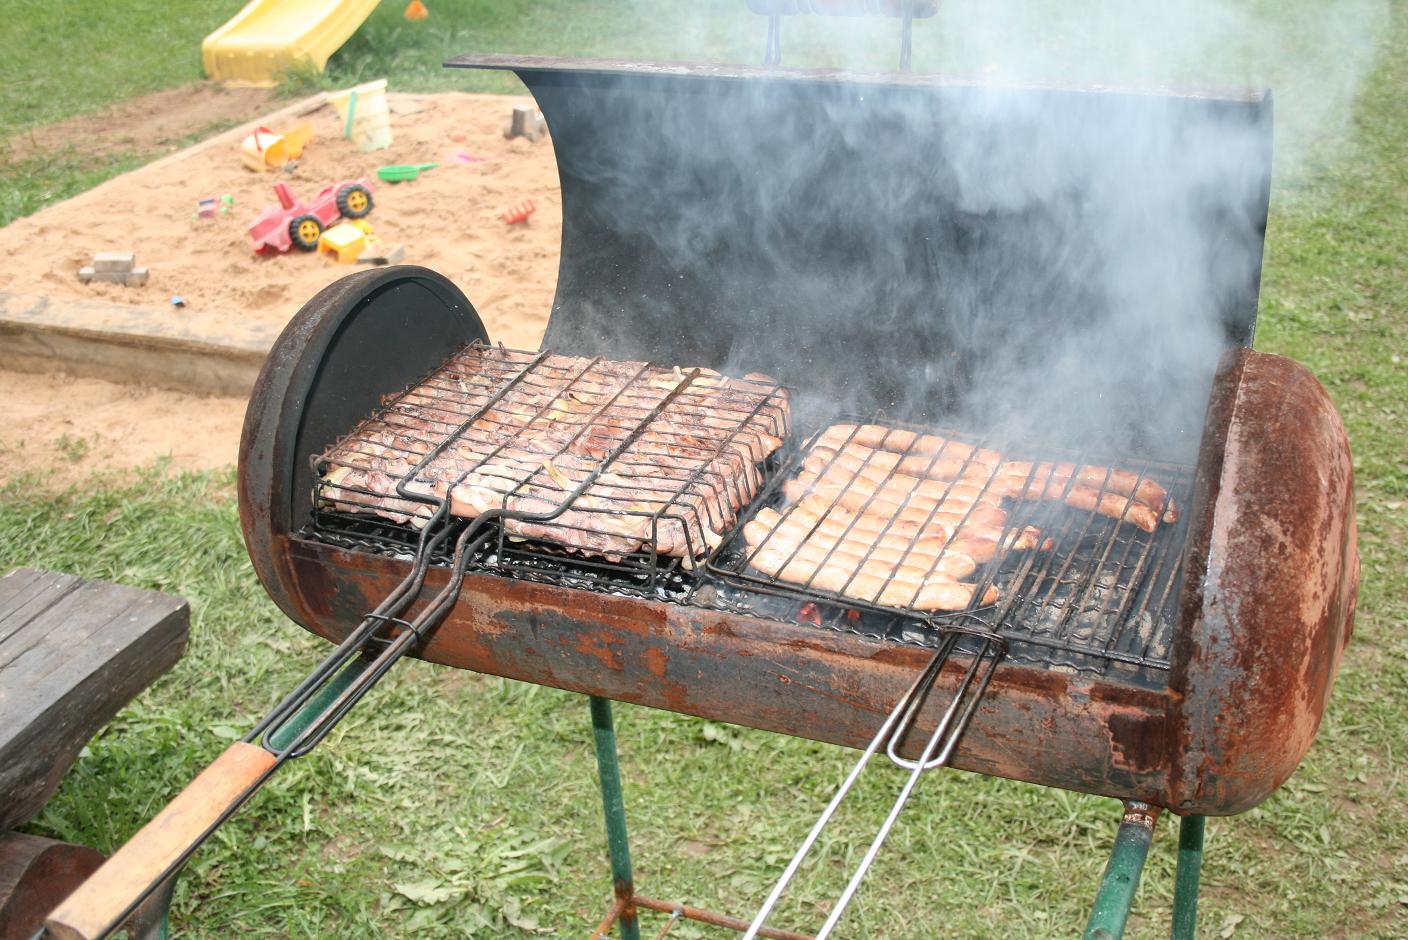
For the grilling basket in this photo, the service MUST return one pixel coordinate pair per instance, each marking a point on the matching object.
(912, 415)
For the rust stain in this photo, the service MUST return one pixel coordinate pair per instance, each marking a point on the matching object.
(1137, 740)
(1268, 616)
(656, 662)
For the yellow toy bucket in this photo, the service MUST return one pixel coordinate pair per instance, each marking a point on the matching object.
(264, 149)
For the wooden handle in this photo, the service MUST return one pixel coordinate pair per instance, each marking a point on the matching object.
(101, 899)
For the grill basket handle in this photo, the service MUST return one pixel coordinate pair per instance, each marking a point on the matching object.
(101, 903)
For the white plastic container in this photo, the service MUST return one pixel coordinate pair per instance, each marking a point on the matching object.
(370, 118)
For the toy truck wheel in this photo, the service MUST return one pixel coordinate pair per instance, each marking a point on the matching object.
(354, 201)
(304, 231)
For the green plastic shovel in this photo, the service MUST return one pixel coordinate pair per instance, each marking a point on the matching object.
(403, 171)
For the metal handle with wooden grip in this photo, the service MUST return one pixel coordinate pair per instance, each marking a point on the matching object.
(102, 901)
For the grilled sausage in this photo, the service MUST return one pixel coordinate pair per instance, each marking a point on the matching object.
(846, 471)
(857, 456)
(820, 546)
(885, 502)
(905, 442)
(1125, 495)
(890, 589)
(1109, 479)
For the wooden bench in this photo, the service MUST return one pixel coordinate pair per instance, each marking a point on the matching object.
(72, 654)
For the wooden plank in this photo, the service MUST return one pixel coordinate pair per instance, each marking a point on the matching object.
(26, 594)
(62, 632)
(74, 653)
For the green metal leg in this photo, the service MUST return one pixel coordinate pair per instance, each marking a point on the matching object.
(609, 770)
(1185, 883)
(1122, 872)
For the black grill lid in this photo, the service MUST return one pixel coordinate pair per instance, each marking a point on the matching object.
(1036, 259)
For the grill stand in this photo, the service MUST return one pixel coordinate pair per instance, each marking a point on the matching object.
(1185, 884)
(1121, 879)
(1113, 900)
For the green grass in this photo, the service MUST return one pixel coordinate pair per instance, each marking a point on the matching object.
(65, 58)
(451, 804)
(77, 56)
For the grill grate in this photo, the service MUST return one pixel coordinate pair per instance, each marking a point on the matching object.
(1103, 596)
(1103, 593)
(604, 469)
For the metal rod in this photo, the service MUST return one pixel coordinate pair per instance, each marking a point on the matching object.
(897, 723)
(287, 732)
(937, 751)
(713, 919)
(1121, 878)
(1185, 881)
(906, 33)
(922, 681)
(669, 924)
(603, 929)
(772, 51)
(614, 808)
(991, 653)
(355, 643)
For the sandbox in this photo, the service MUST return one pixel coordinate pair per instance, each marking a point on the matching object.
(235, 301)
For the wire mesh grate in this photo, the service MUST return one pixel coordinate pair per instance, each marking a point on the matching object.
(615, 469)
(1061, 569)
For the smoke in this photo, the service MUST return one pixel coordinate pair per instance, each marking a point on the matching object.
(999, 252)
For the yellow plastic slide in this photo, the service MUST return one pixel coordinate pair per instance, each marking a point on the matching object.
(269, 36)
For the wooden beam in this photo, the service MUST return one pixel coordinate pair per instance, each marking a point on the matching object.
(72, 654)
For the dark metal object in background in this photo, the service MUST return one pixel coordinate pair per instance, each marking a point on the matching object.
(906, 10)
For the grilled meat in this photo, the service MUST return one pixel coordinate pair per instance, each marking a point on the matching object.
(878, 454)
(610, 457)
(897, 518)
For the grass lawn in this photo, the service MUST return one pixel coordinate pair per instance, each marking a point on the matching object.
(452, 804)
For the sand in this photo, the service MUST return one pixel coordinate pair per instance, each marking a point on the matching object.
(448, 220)
(69, 429)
